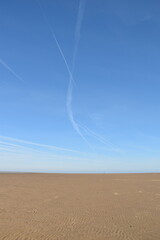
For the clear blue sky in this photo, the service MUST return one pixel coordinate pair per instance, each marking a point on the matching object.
(104, 119)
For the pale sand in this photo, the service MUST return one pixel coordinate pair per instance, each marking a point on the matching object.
(75, 207)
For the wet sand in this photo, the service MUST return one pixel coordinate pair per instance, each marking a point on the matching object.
(80, 206)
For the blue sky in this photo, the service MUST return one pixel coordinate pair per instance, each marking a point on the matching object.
(79, 85)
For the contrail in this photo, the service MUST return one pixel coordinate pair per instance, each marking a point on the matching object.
(71, 79)
(81, 10)
(97, 136)
(11, 70)
(54, 38)
(70, 113)
(77, 126)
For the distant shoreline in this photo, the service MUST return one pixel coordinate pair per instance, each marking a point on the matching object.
(76, 173)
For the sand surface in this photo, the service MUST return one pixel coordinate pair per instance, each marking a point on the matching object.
(75, 207)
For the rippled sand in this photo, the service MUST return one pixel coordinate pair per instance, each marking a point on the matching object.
(75, 207)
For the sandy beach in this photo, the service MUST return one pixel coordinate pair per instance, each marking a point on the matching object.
(79, 206)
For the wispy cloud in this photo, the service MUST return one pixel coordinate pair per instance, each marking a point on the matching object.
(5, 65)
(22, 154)
(26, 148)
(10, 141)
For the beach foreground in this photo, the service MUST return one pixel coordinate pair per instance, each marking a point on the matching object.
(80, 206)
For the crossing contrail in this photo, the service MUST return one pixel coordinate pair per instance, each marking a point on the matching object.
(95, 135)
(71, 79)
(98, 137)
(4, 64)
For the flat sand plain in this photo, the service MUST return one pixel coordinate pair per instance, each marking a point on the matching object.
(80, 206)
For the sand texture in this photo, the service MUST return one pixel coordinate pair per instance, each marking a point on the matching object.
(75, 207)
